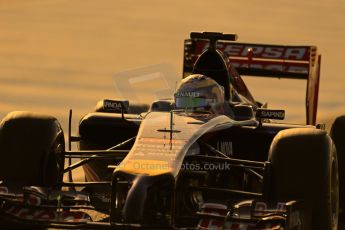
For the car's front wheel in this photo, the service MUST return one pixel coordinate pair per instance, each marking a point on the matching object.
(305, 167)
(31, 150)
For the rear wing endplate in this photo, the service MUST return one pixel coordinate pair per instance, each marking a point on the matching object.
(293, 62)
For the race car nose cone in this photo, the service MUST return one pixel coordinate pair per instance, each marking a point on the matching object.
(138, 205)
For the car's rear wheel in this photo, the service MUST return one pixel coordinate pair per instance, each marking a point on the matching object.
(305, 167)
(338, 135)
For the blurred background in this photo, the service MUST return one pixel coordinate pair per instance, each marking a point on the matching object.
(62, 54)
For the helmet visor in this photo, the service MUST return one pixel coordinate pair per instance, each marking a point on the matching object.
(192, 102)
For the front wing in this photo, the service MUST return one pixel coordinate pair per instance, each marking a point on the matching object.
(43, 207)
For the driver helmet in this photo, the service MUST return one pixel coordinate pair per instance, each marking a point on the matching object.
(200, 93)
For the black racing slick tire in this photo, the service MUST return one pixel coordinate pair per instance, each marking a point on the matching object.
(304, 167)
(31, 150)
(338, 136)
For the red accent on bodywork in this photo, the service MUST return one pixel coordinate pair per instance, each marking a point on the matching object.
(46, 215)
(281, 66)
(262, 51)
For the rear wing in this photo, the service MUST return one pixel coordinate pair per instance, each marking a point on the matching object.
(294, 62)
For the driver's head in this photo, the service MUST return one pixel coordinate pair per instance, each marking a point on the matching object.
(200, 93)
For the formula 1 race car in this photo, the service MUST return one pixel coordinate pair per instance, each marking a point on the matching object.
(176, 164)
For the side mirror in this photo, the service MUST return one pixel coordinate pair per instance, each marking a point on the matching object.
(162, 105)
(243, 112)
